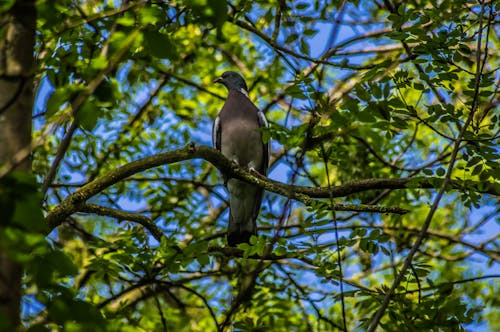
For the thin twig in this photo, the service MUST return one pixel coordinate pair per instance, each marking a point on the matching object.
(122, 215)
(388, 296)
(336, 232)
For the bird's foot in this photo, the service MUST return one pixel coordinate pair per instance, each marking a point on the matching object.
(254, 171)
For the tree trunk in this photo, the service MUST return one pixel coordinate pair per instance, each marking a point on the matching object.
(17, 38)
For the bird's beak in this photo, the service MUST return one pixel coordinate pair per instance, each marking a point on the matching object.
(218, 80)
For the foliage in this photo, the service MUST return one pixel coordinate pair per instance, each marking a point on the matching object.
(353, 90)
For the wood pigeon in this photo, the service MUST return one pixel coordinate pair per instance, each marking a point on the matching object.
(236, 135)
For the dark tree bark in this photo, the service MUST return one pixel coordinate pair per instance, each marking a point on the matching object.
(17, 38)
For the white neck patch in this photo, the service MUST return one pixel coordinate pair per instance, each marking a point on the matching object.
(244, 92)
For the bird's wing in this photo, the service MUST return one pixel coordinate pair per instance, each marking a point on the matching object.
(216, 134)
(265, 160)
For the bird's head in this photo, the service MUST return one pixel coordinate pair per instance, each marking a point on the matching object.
(232, 81)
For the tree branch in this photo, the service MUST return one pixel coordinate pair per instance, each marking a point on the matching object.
(123, 215)
(423, 232)
(306, 195)
(78, 102)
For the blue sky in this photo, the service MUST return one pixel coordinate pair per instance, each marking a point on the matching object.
(282, 172)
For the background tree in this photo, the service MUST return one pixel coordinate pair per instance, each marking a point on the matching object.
(17, 189)
(382, 211)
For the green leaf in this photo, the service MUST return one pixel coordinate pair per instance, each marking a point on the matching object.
(366, 116)
(304, 47)
(87, 115)
(418, 86)
(477, 169)
(99, 63)
(7, 205)
(291, 38)
(376, 91)
(105, 92)
(428, 171)
(48, 265)
(5, 5)
(440, 171)
(62, 264)
(219, 8)
(213, 11)
(375, 234)
(302, 5)
(280, 251)
(152, 15)
(21, 202)
(385, 251)
(56, 100)
(398, 35)
(28, 212)
(159, 45)
(296, 91)
(126, 20)
(362, 93)
(63, 309)
(203, 259)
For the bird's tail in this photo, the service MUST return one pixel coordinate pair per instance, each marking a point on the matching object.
(244, 206)
(239, 232)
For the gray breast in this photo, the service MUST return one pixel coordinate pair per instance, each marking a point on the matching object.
(240, 142)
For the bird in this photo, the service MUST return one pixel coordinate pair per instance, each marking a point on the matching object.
(236, 134)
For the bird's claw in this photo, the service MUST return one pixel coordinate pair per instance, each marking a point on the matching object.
(254, 171)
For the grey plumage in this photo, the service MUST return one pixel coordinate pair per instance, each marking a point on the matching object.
(236, 134)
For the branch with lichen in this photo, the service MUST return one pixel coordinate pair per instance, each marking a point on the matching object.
(76, 201)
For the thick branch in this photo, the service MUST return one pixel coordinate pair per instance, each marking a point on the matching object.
(306, 195)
